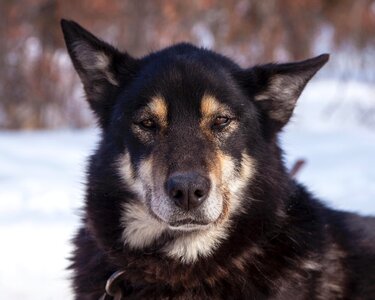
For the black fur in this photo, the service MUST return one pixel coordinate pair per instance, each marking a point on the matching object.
(285, 245)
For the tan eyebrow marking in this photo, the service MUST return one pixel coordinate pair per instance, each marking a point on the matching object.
(158, 107)
(209, 106)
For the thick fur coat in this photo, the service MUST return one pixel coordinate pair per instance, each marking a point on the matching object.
(187, 192)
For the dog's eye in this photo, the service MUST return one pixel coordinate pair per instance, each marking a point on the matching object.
(148, 124)
(221, 122)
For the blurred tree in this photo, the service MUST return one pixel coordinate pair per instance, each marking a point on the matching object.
(38, 87)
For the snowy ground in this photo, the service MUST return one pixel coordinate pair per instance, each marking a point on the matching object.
(41, 181)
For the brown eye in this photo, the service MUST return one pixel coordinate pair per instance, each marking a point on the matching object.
(221, 122)
(148, 124)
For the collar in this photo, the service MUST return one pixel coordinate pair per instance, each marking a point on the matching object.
(113, 290)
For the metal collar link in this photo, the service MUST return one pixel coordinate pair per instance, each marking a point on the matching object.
(112, 289)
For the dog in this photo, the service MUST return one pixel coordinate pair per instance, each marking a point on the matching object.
(187, 194)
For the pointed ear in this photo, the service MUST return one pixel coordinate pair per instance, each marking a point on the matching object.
(101, 67)
(275, 88)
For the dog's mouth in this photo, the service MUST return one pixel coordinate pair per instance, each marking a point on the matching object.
(188, 225)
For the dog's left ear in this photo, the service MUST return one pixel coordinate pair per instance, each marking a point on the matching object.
(101, 67)
(275, 88)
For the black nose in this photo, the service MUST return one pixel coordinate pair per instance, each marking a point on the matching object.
(188, 190)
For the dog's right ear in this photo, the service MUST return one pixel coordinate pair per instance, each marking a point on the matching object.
(102, 68)
(275, 88)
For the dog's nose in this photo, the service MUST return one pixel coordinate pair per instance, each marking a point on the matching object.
(188, 190)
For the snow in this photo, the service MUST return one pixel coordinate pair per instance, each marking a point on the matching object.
(42, 176)
(41, 189)
(329, 132)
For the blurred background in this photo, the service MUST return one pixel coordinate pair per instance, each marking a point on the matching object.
(47, 131)
(33, 56)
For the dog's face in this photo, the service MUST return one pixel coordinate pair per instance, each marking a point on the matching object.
(184, 131)
(184, 155)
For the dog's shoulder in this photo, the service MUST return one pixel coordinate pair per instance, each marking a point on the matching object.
(90, 266)
(354, 238)
(363, 227)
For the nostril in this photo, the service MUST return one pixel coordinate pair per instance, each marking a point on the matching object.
(177, 194)
(199, 193)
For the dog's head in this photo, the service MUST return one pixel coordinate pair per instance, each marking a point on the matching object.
(185, 131)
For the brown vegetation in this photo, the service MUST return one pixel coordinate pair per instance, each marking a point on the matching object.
(38, 87)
